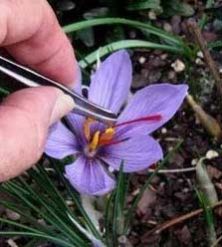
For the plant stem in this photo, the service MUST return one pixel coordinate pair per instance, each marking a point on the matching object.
(195, 30)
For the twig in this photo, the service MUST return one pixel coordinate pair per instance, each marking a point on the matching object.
(195, 30)
(178, 220)
(12, 243)
(182, 170)
(216, 242)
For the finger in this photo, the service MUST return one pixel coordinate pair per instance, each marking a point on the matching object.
(23, 126)
(31, 33)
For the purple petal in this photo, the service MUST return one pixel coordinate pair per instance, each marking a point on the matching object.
(61, 142)
(76, 123)
(137, 153)
(163, 99)
(89, 177)
(110, 84)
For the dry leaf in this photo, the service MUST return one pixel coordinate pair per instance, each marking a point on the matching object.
(208, 122)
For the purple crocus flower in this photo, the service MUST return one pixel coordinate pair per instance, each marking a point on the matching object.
(97, 146)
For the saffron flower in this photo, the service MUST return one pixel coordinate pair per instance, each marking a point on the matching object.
(97, 146)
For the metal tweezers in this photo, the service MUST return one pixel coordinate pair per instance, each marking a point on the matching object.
(30, 78)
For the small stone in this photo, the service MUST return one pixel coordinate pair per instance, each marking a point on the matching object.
(186, 190)
(171, 75)
(211, 154)
(152, 15)
(164, 56)
(163, 130)
(194, 162)
(66, 5)
(142, 60)
(176, 24)
(178, 66)
(111, 169)
(12, 215)
(41, 222)
(199, 61)
(12, 243)
(167, 27)
(213, 172)
(132, 34)
(200, 54)
(180, 180)
(122, 239)
(217, 24)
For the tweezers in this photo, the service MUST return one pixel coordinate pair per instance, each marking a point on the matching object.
(30, 78)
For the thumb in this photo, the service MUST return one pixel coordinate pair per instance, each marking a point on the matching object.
(24, 120)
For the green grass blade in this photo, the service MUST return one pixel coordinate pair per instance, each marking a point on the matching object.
(143, 5)
(126, 44)
(136, 24)
(41, 177)
(35, 243)
(61, 222)
(75, 197)
(48, 214)
(21, 226)
(23, 212)
(118, 207)
(203, 21)
(108, 219)
(215, 44)
(132, 209)
(3, 91)
(55, 240)
(208, 215)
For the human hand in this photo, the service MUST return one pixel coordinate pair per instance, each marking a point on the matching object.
(31, 34)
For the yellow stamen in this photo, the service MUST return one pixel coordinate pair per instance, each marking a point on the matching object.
(107, 135)
(86, 128)
(95, 141)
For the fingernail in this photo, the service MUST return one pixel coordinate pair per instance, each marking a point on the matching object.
(64, 104)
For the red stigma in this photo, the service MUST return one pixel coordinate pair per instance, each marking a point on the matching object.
(156, 117)
(115, 142)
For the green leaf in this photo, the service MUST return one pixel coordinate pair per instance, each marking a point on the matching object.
(215, 44)
(203, 21)
(177, 7)
(55, 240)
(114, 212)
(205, 184)
(136, 24)
(126, 44)
(96, 12)
(108, 220)
(208, 215)
(3, 91)
(118, 207)
(44, 206)
(75, 197)
(35, 243)
(144, 4)
(86, 36)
